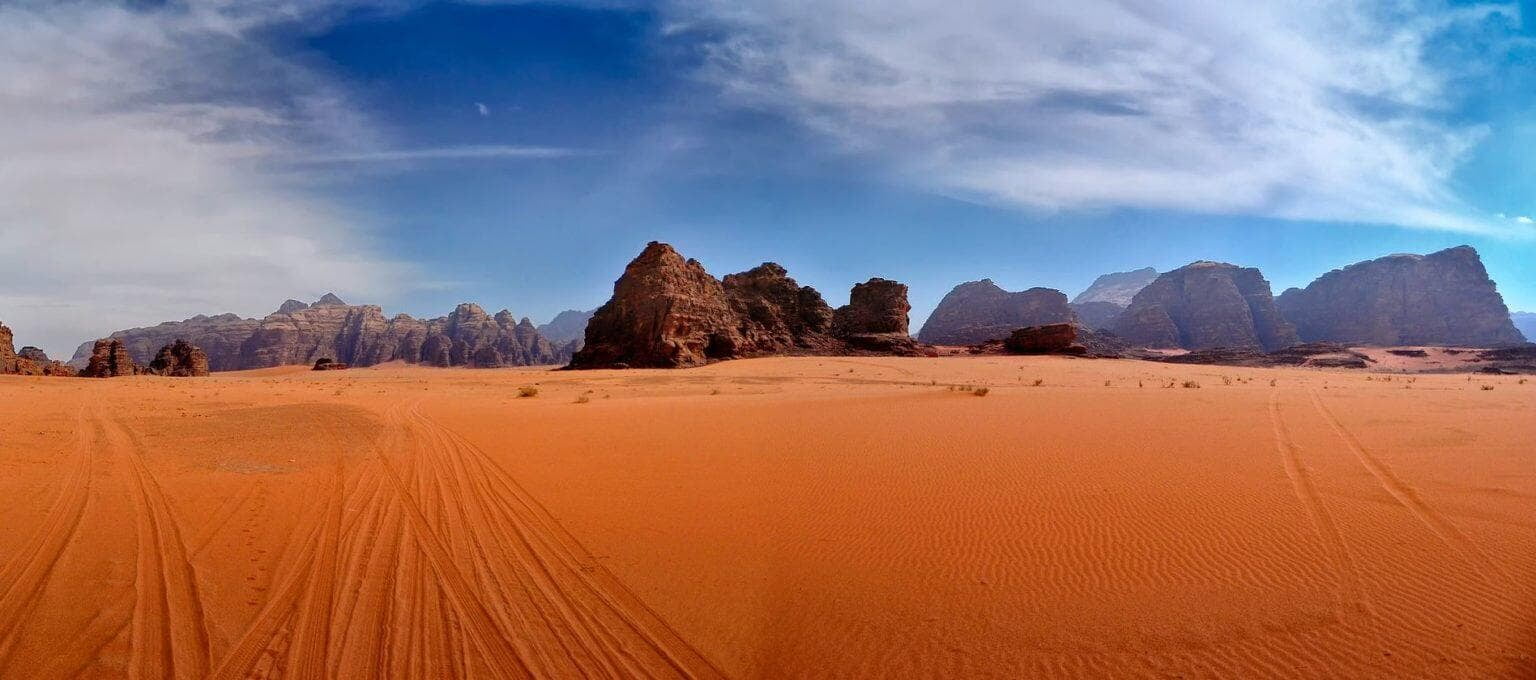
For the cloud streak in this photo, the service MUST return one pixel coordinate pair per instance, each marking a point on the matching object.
(134, 182)
(477, 152)
(1327, 110)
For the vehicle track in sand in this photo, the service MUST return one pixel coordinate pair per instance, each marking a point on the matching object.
(1352, 595)
(169, 629)
(23, 576)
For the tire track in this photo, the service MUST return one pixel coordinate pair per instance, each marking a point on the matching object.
(1352, 593)
(1409, 498)
(169, 630)
(614, 629)
(22, 579)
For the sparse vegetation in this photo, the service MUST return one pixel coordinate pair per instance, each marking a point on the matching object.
(1486, 388)
(582, 399)
(527, 391)
(981, 391)
(1038, 382)
(1190, 385)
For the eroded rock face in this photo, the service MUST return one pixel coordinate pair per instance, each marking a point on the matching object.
(1205, 305)
(109, 359)
(180, 359)
(775, 314)
(299, 333)
(1443, 298)
(666, 312)
(1118, 288)
(1097, 315)
(219, 336)
(566, 326)
(978, 311)
(669, 312)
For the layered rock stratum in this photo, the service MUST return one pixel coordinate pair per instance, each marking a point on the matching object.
(1204, 305)
(668, 312)
(359, 335)
(1117, 288)
(978, 311)
(1443, 298)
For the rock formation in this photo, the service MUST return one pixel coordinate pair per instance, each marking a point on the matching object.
(566, 326)
(1097, 315)
(326, 364)
(29, 361)
(1056, 338)
(1443, 298)
(9, 362)
(1525, 322)
(180, 359)
(219, 336)
(980, 310)
(109, 359)
(1204, 305)
(668, 312)
(1118, 288)
(299, 333)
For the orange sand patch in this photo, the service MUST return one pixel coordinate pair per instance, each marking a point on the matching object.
(771, 518)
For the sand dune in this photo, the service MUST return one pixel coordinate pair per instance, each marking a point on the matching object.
(816, 517)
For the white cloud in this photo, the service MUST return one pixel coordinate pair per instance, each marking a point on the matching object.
(135, 175)
(1317, 109)
(1525, 220)
(489, 151)
(483, 109)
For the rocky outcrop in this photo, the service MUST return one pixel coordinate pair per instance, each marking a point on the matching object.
(978, 311)
(1314, 355)
(1056, 338)
(774, 314)
(220, 336)
(1204, 305)
(566, 326)
(668, 312)
(180, 359)
(300, 333)
(29, 361)
(326, 364)
(109, 359)
(1118, 288)
(1097, 315)
(1443, 298)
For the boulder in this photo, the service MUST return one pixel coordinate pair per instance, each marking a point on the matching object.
(180, 359)
(978, 311)
(1056, 338)
(1206, 305)
(109, 359)
(1118, 288)
(1443, 298)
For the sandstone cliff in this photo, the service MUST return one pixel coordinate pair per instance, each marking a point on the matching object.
(1443, 298)
(669, 312)
(360, 335)
(1118, 288)
(978, 311)
(1204, 305)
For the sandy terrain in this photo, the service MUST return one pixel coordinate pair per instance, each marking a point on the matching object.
(771, 518)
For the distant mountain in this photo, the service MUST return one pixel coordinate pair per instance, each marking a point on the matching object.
(1117, 288)
(1205, 305)
(360, 335)
(566, 326)
(1443, 298)
(1098, 314)
(978, 311)
(1525, 322)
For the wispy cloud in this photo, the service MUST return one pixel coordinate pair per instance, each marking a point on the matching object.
(133, 177)
(482, 109)
(1317, 110)
(494, 151)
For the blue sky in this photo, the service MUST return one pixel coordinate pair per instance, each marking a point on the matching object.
(209, 156)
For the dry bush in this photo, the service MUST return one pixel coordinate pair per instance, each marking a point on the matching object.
(981, 391)
(1038, 382)
(1190, 385)
(1486, 388)
(582, 399)
(527, 391)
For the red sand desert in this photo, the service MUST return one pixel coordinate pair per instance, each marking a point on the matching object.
(809, 518)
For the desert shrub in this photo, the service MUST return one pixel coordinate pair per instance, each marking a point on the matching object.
(1486, 388)
(981, 391)
(527, 391)
(1190, 385)
(582, 399)
(1038, 382)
